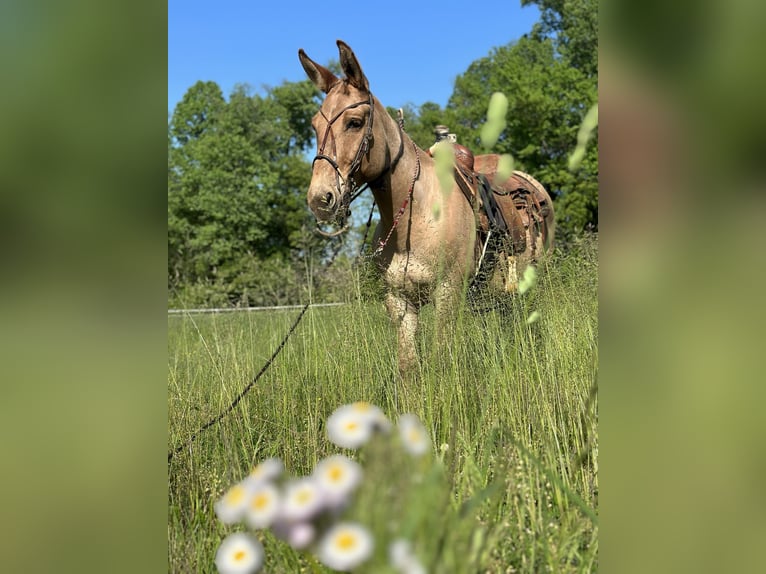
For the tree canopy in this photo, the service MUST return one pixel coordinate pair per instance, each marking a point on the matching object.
(236, 184)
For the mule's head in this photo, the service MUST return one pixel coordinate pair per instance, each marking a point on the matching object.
(345, 127)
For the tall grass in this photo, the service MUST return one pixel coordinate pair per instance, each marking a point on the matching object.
(509, 407)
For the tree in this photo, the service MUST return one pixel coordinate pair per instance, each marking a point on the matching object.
(549, 77)
(198, 112)
(573, 26)
(236, 183)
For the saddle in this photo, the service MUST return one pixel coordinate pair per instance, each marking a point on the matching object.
(514, 209)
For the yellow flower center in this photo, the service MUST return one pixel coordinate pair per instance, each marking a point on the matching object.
(260, 501)
(303, 496)
(336, 473)
(345, 541)
(239, 555)
(352, 425)
(235, 495)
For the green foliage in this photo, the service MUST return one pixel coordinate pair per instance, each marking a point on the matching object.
(198, 113)
(573, 24)
(236, 183)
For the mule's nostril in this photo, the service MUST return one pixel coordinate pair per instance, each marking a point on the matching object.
(323, 203)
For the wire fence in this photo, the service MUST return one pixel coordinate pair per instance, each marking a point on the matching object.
(246, 309)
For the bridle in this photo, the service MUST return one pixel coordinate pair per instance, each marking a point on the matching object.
(347, 186)
(349, 189)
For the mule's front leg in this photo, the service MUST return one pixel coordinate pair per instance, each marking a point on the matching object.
(404, 315)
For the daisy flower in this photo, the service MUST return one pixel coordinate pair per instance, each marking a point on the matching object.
(399, 552)
(269, 469)
(337, 477)
(345, 546)
(372, 414)
(349, 427)
(263, 506)
(413, 435)
(231, 507)
(239, 553)
(302, 500)
(403, 559)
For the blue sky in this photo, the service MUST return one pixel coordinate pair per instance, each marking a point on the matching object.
(411, 52)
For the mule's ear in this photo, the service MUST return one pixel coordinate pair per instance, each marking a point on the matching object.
(350, 66)
(323, 78)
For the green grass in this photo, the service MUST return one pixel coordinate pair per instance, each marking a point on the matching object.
(513, 484)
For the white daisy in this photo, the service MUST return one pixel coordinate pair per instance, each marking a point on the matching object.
(263, 506)
(372, 414)
(269, 469)
(413, 435)
(302, 500)
(239, 553)
(398, 552)
(337, 477)
(349, 427)
(230, 508)
(345, 546)
(403, 559)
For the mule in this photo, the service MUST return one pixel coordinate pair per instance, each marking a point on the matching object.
(429, 242)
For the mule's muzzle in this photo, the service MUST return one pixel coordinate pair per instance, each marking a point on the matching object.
(324, 204)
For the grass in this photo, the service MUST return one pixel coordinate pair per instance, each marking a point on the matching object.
(510, 407)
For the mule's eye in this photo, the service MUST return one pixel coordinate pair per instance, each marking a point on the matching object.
(354, 124)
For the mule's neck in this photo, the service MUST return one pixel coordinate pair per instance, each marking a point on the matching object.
(408, 168)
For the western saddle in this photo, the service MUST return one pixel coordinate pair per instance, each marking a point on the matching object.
(511, 213)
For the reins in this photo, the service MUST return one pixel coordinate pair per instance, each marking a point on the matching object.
(382, 243)
(216, 419)
(350, 193)
(243, 392)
